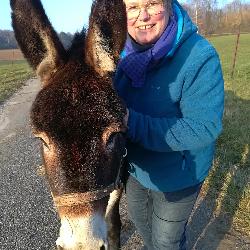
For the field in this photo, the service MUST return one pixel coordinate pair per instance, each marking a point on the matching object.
(11, 55)
(14, 70)
(228, 185)
(229, 182)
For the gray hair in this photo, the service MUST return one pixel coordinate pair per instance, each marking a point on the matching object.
(168, 6)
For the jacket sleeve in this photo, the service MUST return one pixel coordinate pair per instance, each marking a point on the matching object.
(201, 106)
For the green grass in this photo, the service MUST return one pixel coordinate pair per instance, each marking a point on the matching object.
(12, 76)
(229, 181)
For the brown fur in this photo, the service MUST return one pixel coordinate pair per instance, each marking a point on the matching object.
(76, 125)
(77, 114)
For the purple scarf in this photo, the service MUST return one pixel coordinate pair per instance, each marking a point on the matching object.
(137, 61)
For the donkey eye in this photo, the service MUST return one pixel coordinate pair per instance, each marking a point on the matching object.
(43, 142)
(110, 144)
(112, 138)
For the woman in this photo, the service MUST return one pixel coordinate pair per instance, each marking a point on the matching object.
(171, 81)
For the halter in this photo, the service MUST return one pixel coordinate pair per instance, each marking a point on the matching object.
(74, 199)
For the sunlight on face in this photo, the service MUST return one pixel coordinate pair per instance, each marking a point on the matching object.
(147, 19)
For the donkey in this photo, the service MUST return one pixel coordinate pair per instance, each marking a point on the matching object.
(79, 119)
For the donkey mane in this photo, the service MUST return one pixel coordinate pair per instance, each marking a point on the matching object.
(76, 50)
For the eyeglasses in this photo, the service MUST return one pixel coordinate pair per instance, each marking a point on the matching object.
(153, 8)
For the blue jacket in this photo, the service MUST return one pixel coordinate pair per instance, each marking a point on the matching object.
(175, 118)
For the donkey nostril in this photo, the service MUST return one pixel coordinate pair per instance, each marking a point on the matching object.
(102, 247)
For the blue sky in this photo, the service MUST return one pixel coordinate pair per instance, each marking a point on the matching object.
(65, 15)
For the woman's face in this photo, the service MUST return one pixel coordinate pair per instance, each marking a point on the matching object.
(147, 27)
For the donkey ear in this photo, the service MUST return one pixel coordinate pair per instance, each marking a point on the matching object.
(36, 37)
(106, 35)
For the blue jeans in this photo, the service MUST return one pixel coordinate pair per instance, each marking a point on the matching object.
(160, 218)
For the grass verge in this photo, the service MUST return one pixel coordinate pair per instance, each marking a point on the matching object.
(229, 180)
(12, 76)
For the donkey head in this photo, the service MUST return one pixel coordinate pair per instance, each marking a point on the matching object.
(77, 114)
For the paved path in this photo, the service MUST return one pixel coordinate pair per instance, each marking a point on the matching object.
(27, 217)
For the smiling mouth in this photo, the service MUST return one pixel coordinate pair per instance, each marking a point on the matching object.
(145, 27)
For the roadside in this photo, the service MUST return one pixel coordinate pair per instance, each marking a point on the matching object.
(27, 217)
(13, 73)
(14, 112)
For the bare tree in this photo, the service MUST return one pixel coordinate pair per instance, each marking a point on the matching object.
(211, 19)
(203, 14)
